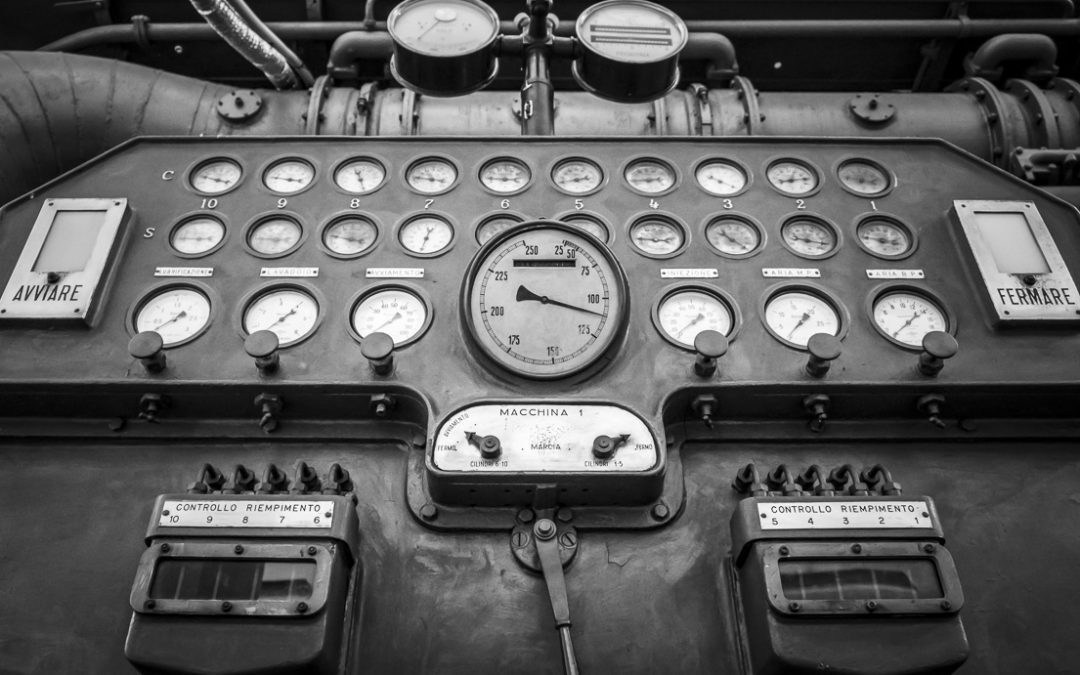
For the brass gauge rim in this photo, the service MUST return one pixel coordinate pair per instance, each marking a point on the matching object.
(356, 158)
(520, 163)
(561, 161)
(199, 164)
(408, 167)
(341, 217)
(719, 294)
(676, 176)
(816, 219)
(667, 218)
(196, 215)
(495, 215)
(437, 215)
(262, 290)
(364, 293)
(742, 218)
(808, 288)
(812, 168)
(717, 159)
(890, 177)
(266, 217)
(863, 218)
(157, 289)
(880, 292)
(592, 217)
(278, 161)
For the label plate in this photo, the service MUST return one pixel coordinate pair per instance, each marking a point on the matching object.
(246, 513)
(849, 515)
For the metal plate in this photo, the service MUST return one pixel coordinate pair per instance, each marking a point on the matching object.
(847, 515)
(246, 513)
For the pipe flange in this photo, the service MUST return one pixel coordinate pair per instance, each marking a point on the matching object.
(752, 117)
(239, 105)
(1042, 122)
(313, 116)
(989, 98)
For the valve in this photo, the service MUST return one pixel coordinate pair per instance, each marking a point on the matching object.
(243, 480)
(148, 348)
(748, 482)
(338, 481)
(880, 480)
(704, 406)
(209, 479)
(710, 345)
(269, 406)
(824, 349)
(782, 482)
(150, 405)
(307, 480)
(382, 404)
(930, 405)
(813, 482)
(937, 346)
(263, 345)
(275, 481)
(847, 482)
(604, 447)
(817, 405)
(489, 446)
(378, 349)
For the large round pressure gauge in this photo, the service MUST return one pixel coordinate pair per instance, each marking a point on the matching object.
(178, 314)
(215, 176)
(400, 313)
(795, 315)
(683, 313)
(545, 300)
(290, 313)
(905, 317)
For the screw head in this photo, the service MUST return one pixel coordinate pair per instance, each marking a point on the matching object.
(238, 549)
(928, 548)
(149, 604)
(301, 607)
(544, 529)
(856, 548)
(871, 605)
(311, 550)
(946, 605)
(660, 511)
(794, 606)
(165, 548)
(429, 512)
(525, 516)
(784, 550)
(564, 515)
(226, 606)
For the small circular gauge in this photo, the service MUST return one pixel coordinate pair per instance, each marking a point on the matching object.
(493, 225)
(178, 314)
(793, 316)
(657, 236)
(576, 176)
(505, 176)
(443, 27)
(400, 313)
(884, 237)
(197, 236)
(864, 178)
(290, 313)
(905, 317)
(426, 235)
(590, 223)
(215, 176)
(721, 178)
(431, 176)
(792, 177)
(289, 176)
(733, 236)
(360, 176)
(274, 236)
(809, 237)
(349, 236)
(685, 312)
(649, 176)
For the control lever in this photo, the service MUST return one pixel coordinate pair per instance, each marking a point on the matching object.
(704, 407)
(243, 480)
(813, 482)
(937, 346)
(748, 482)
(781, 479)
(262, 345)
(710, 345)
(490, 447)
(846, 482)
(209, 479)
(307, 480)
(824, 349)
(275, 481)
(378, 349)
(604, 447)
(880, 480)
(148, 347)
(547, 548)
(818, 407)
(338, 481)
(930, 405)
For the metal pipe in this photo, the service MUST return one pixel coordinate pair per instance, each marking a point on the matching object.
(232, 28)
(717, 50)
(989, 60)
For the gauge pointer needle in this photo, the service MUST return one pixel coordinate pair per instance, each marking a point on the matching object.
(397, 315)
(804, 319)
(697, 318)
(907, 323)
(524, 294)
(181, 315)
(286, 315)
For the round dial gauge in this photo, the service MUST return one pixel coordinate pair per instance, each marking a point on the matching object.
(493, 225)
(505, 176)
(720, 178)
(577, 176)
(810, 238)
(215, 176)
(274, 236)
(906, 317)
(590, 224)
(631, 32)
(289, 313)
(198, 235)
(657, 236)
(350, 236)
(289, 176)
(733, 236)
(884, 238)
(791, 177)
(443, 27)
(543, 301)
(431, 176)
(795, 316)
(397, 312)
(360, 176)
(426, 235)
(863, 177)
(681, 315)
(177, 314)
(650, 176)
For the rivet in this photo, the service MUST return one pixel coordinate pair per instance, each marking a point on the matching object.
(660, 511)
(784, 550)
(226, 606)
(301, 607)
(238, 549)
(871, 605)
(311, 550)
(165, 548)
(794, 606)
(856, 548)
(429, 512)
(928, 548)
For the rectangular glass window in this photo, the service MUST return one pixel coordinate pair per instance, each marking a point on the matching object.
(1011, 242)
(208, 579)
(70, 241)
(870, 579)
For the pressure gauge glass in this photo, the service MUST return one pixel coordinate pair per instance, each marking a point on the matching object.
(650, 176)
(794, 316)
(431, 176)
(197, 236)
(505, 176)
(681, 315)
(350, 236)
(792, 177)
(721, 178)
(809, 238)
(577, 176)
(215, 176)
(906, 317)
(590, 224)
(883, 237)
(177, 314)
(360, 176)
(274, 236)
(657, 237)
(733, 236)
(493, 225)
(443, 27)
(399, 313)
(863, 177)
(289, 313)
(426, 235)
(289, 176)
(631, 32)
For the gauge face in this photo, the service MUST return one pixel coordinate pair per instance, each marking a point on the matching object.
(216, 176)
(289, 176)
(426, 235)
(431, 176)
(590, 224)
(505, 176)
(809, 238)
(733, 236)
(683, 314)
(631, 32)
(657, 236)
(360, 176)
(397, 312)
(289, 313)
(795, 316)
(443, 27)
(274, 235)
(792, 177)
(350, 236)
(863, 177)
(650, 176)
(198, 235)
(577, 176)
(176, 314)
(906, 317)
(720, 178)
(884, 238)
(493, 225)
(546, 302)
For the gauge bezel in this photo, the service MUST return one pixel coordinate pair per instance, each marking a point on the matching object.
(264, 289)
(743, 218)
(408, 167)
(200, 163)
(160, 287)
(675, 184)
(347, 215)
(810, 288)
(718, 293)
(818, 219)
(896, 222)
(717, 159)
(577, 158)
(194, 215)
(368, 291)
(451, 222)
(258, 220)
(488, 161)
(401, 8)
(596, 218)
(671, 219)
(806, 164)
(890, 177)
(376, 159)
(487, 217)
(877, 293)
(266, 167)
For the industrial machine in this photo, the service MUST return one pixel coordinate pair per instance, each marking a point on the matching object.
(464, 337)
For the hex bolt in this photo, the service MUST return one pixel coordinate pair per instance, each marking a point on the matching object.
(871, 605)
(660, 511)
(564, 515)
(238, 550)
(794, 606)
(226, 606)
(302, 607)
(311, 550)
(165, 548)
(525, 516)
(544, 529)
(784, 550)
(856, 548)
(429, 512)
(928, 548)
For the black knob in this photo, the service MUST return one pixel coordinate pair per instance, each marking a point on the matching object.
(710, 345)
(378, 349)
(262, 345)
(824, 349)
(937, 346)
(148, 347)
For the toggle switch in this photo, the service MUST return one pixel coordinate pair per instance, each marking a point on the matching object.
(710, 345)
(490, 447)
(149, 348)
(378, 349)
(604, 447)
(824, 349)
(262, 345)
(937, 346)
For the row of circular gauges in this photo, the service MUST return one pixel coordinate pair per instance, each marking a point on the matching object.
(576, 176)
(653, 235)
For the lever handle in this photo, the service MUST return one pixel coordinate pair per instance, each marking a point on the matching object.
(547, 548)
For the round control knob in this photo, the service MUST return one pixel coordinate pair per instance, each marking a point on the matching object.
(378, 349)
(824, 349)
(148, 347)
(710, 345)
(262, 345)
(603, 447)
(937, 346)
